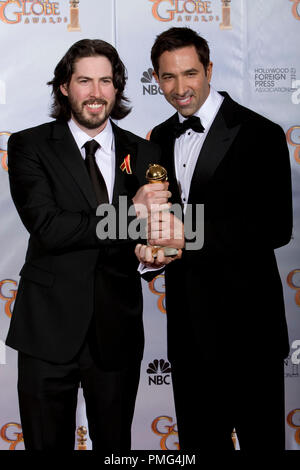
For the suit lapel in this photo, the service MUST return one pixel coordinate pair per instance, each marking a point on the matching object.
(67, 152)
(125, 181)
(69, 155)
(220, 136)
(168, 159)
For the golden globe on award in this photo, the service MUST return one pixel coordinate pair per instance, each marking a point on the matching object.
(157, 174)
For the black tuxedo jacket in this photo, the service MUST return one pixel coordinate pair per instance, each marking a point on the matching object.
(225, 300)
(54, 197)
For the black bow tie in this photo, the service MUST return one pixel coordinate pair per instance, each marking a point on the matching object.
(193, 122)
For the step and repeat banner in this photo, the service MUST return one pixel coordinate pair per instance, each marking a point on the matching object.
(255, 50)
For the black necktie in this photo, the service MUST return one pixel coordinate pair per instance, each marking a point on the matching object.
(95, 174)
(192, 122)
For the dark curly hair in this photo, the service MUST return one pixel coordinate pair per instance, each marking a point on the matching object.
(60, 108)
(176, 38)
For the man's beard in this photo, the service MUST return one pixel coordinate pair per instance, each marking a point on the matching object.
(89, 122)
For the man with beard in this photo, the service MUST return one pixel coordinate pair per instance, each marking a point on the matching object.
(78, 312)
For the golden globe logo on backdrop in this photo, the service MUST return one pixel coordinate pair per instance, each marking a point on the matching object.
(39, 12)
(12, 434)
(293, 281)
(293, 420)
(164, 427)
(8, 295)
(293, 138)
(157, 287)
(193, 11)
(296, 9)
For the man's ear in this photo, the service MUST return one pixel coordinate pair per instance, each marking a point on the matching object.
(209, 71)
(64, 89)
(155, 76)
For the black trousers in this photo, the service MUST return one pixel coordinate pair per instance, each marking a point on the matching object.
(212, 398)
(48, 400)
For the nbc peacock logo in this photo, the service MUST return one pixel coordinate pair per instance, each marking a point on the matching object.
(149, 87)
(159, 372)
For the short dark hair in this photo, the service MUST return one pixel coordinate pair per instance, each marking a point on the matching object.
(176, 38)
(65, 68)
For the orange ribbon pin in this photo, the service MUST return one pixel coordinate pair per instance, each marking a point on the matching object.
(126, 165)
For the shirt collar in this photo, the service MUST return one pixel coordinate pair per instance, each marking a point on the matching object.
(209, 108)
(104, 138)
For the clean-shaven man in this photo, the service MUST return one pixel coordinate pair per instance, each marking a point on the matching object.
(227, 333)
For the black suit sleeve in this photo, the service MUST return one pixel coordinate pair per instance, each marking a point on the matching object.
(249, 208)
(55, 228)
(266, 192)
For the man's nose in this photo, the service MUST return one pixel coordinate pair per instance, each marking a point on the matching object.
(180, 87)
(96, 90)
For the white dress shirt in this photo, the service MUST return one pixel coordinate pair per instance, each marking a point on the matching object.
(105, 155)
(187, 149)
(188, 145)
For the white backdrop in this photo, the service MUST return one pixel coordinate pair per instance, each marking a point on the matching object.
(255, 50)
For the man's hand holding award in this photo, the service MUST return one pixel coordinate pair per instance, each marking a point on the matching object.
(165, 231)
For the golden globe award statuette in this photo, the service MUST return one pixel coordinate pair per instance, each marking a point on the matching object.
(225, 15)
(157, 174)
(74, 16)
(81, 432)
